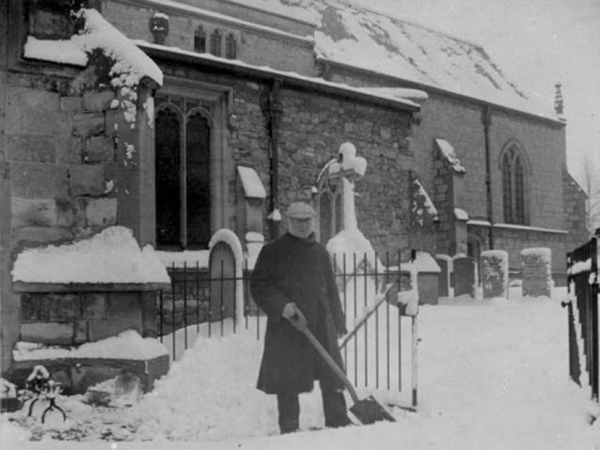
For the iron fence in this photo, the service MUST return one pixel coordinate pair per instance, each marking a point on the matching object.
(379, 352)
(582, 282)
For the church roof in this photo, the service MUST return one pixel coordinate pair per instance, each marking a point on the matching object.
(355, 36)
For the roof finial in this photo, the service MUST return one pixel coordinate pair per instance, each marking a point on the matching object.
(559, 105)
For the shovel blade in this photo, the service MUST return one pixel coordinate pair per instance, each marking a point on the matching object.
(369, 411)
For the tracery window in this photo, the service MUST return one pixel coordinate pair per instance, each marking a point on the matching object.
(329, 203)
(514, 196)
(183, 134)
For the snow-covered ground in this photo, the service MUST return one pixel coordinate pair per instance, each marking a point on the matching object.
(492, 374)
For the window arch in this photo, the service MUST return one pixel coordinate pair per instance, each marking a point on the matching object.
(200, 40)
(183, 140)
(329, 204)
(514, 166)
(215, 43)
(230, 47)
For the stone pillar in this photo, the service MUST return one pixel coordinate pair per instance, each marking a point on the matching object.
(537, 272)
(495, 273)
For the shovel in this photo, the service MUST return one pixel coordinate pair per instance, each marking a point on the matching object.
(367, 411)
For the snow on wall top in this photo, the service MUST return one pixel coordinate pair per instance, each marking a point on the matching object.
(126, 345)
(450, 154)
(253, 187)
(355, 36)
(111, 256)
(97, 34)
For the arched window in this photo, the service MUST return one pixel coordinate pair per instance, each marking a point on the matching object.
(230, 47)
(215, 43)
(514, 196)
(329, 205)
(183, 134)
(200, 40)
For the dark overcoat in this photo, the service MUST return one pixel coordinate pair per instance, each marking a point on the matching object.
(291, 269)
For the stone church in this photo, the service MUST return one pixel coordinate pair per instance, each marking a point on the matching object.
(175, 119)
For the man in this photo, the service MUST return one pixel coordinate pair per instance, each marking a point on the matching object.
(293, 283)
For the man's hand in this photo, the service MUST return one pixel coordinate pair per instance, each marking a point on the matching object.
(294, 315)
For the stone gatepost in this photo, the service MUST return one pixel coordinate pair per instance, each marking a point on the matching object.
(495, 273)
(537, 272)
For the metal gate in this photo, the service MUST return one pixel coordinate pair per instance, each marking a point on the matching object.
(582, 282)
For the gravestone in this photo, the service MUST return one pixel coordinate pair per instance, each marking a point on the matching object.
(222, 281)
(445, 264)
(464, 276)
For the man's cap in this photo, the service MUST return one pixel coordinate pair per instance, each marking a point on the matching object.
(301, 210)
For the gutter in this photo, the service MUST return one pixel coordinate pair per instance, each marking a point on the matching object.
(289, 79)
(486, 120)
(326, 63)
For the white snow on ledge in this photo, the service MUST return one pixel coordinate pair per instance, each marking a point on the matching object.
(111, 256)
(126, 345)
(97, 34)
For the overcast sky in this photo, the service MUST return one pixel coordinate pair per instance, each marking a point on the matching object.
(536, 43)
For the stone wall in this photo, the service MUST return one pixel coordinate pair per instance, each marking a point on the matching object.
(459, 121)
(575, 207)
(73, 160)
(62, 318)
(313, 127)
(290, 51)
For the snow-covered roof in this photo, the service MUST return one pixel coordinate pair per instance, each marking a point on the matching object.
(97, 34)
(352, 35)
(395, 96)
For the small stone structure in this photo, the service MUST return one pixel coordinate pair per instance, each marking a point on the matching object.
(537, 272)
(464, 275)
(494, 273)
(84, 293)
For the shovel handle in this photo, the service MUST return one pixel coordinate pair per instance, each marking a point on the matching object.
(331, 363)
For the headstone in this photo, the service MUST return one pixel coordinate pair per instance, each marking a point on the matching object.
(464, 276)
(537, 272)
(445, 263)
(495, 273)
(222, 281)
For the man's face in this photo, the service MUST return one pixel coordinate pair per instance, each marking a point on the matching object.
(300, 227)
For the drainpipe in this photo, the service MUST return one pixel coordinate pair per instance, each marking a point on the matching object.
(272, 110)
(486, 119)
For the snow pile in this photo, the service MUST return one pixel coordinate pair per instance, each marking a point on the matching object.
(97, 34)
(421, 204)
(492, 375)
(126, 345)
(253, 187)
(450, 155)
(210, 395)
(349, 244)
(111, 256)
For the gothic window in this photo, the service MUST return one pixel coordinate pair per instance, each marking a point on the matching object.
(215, 43)
(199, 40)
(183, 133)
(329, 206)
(513, 185)
(230, 47)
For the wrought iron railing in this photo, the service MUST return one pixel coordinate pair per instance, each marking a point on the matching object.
(379, 354)
(582, 282)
